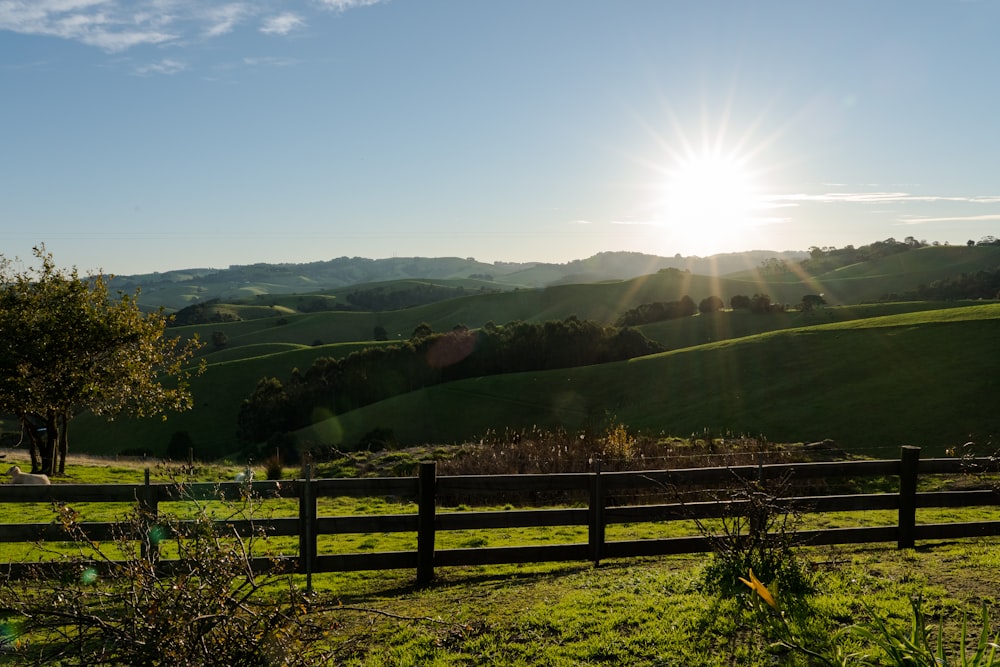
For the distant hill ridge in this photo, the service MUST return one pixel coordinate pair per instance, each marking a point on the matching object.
(179, 288)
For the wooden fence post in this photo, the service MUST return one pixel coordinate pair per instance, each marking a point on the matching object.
(426, 502)
(909, 460)
(595, 529)
(148, 510)
(308, 544)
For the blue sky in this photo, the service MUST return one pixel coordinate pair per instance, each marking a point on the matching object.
(149, 135)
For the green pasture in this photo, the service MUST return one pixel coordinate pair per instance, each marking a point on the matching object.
(903, 271)
(726, 325)
(647, 612)
(926, 378)
(833, 373)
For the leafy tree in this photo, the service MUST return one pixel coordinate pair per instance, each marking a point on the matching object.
(740, 302)
(711, 304)
(423, 330)
(265, 411)
(219, 339)
(810, 301)
(773, 266)
(67, 346)
(760, 303)
(379, 333)
(657, 311)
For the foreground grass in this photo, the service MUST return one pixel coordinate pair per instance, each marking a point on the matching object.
(654, 611)
(643, 612)
(649, 611)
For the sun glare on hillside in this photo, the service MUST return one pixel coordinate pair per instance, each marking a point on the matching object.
(710, 203)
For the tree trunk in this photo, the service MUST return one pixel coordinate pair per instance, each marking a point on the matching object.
(32, 426)
(48, 461)
(63, 442)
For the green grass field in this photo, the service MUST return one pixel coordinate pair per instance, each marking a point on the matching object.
(644, 611)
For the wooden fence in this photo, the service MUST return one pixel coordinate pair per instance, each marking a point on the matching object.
(597, 487)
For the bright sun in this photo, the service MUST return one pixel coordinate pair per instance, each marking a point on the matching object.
(710, 203)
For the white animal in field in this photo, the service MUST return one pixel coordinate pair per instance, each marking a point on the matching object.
(245, 476)
(18, 477)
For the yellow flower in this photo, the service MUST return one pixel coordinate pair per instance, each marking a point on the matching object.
(760, 589)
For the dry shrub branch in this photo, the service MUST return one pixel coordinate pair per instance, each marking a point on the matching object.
(118, 603)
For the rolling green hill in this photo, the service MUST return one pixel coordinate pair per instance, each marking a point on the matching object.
(837, 372)
(928, 378)
(873, 280)
(218, 393)
(601, 302)
(710, 328)
(781, 375)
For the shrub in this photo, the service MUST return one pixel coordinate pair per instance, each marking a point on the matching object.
(273, 468)
(208, 607)
(756, 533)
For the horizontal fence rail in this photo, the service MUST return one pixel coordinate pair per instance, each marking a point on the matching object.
(601, 494)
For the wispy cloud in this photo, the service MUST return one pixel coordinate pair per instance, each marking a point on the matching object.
(101, 23)
(165, 66)
(878, 198)
(282, 24)
(954, 218)
(344, 5)
(270, 61)
(118, 25)
(224, 19)
(894, 197)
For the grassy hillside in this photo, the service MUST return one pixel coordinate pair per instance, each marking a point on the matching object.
(804, 383)
(710, 328)
(868, 281)
(928, 378)
(777, 384)
(218, 393)
(600, 302)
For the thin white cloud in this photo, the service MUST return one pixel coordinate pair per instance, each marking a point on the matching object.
(955, 218)
(879, 198)
(165, 66)
(224, 19)
(100, 23)
(270, 61)
(282, 24)
(119, 25)
(344, 5)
